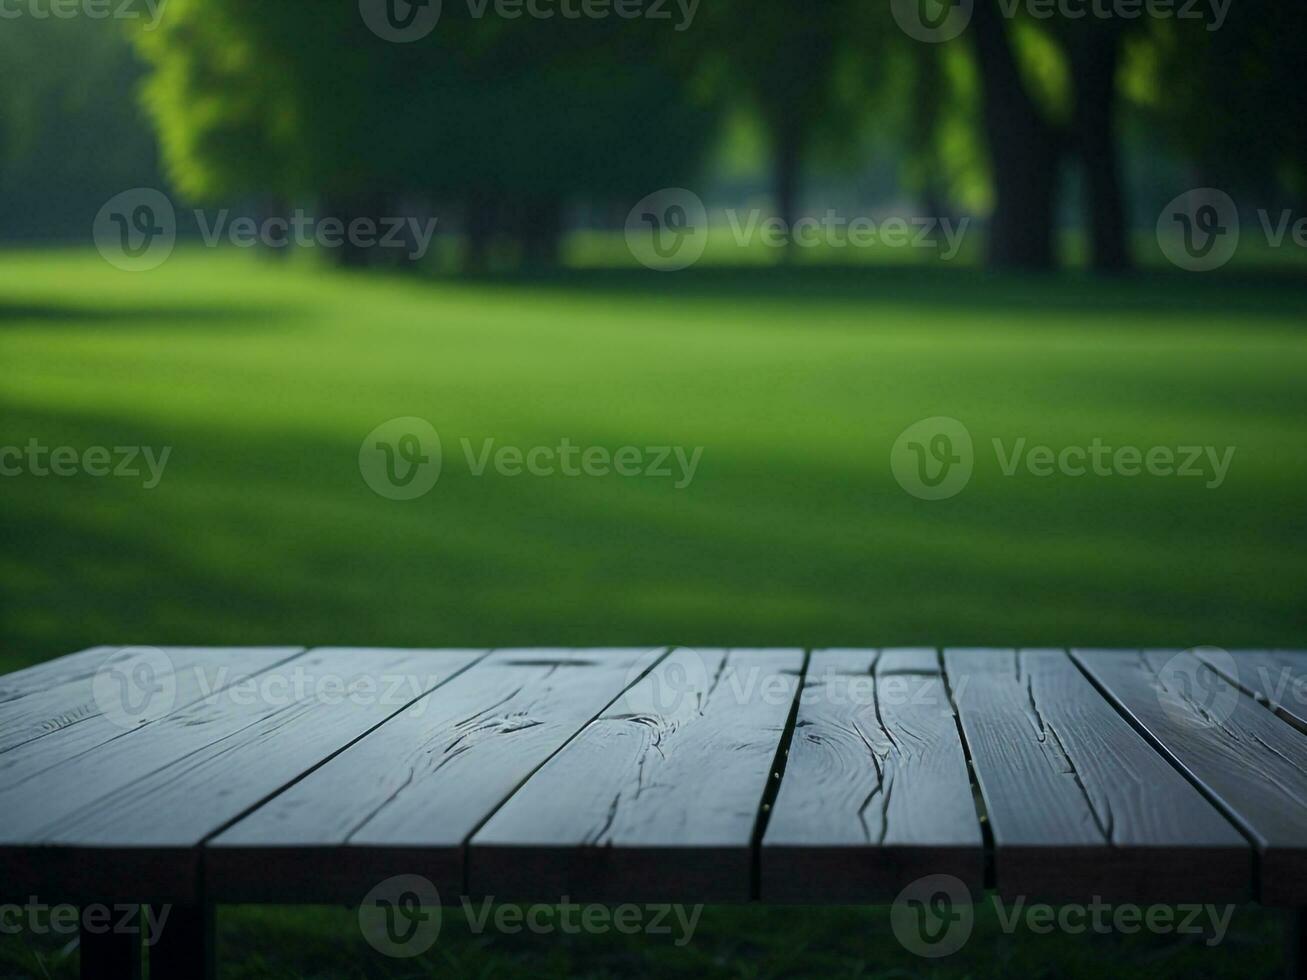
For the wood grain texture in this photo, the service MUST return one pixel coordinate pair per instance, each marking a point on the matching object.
(1252, 763)
(405, 799)
(875, 791)
(1275, 677)
(63, 721)
(51, 673)
(656, 800)
(126, 818)
(1079, 805)
(47, 696)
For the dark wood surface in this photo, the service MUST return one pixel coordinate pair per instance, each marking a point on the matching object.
(1276, 677)
(405, 799)
(1078, 803)
(875, 791)
(48, 696)
(1245, 758)
(138, 807)
(647, 775)
(656, 800)
(68, 719)
(52, 673)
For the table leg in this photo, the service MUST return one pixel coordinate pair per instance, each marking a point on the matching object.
(107, 953)
(1296, 951)
(182, 937)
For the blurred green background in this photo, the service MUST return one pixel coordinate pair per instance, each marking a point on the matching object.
(796, 383)
(1060, 322)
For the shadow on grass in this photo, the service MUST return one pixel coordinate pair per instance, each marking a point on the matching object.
(1245, 293)
(167, 315)
(274, 538)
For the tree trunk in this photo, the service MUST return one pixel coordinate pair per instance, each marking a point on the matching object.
(479, 220)
(788, 150)
(928, 86)
(1025, 152)
(1094, 60)
(541, 229)
(274, 207)
(347, 209)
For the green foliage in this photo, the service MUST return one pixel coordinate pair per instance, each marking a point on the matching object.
(299, 98)
(1233, 100)
(71, 136)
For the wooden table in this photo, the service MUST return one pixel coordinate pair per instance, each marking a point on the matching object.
(196, 776)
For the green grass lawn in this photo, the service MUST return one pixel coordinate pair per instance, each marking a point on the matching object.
(264, 380)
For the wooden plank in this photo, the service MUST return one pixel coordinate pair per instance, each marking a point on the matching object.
(875, 792)
(47, 703)
(656, 800)
(125, 819)
(405, 799)
(1250, 762)
(1275, 677)
(1079, 805)
(51, 673)
(60, 722)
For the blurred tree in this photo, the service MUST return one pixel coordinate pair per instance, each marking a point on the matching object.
(787, 62)
(1094, 54)
(1025, 148)
(69, 139)
(1231, 100)
(1051, 93)
(507, 120)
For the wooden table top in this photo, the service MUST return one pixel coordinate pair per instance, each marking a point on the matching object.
(780, 775)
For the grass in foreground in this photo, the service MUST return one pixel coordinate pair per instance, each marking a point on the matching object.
(265, 380)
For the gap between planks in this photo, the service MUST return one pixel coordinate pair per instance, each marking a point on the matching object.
(323, 761)
(467, 841)
(1232, 816)
(777, 776)
(989, 876)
